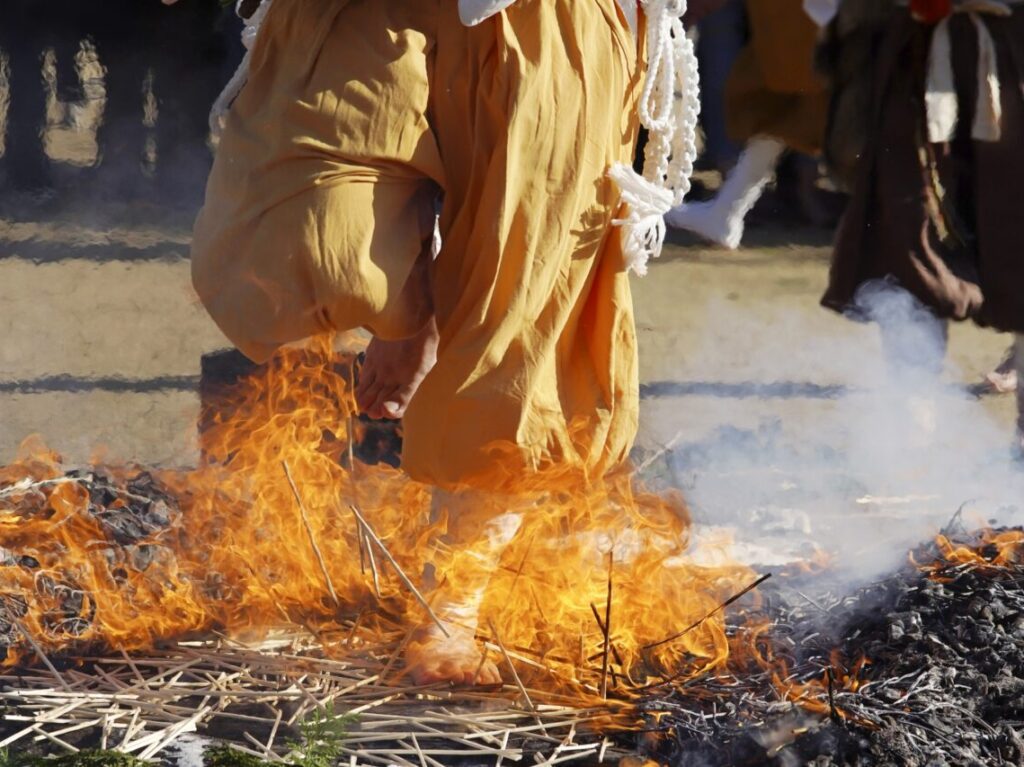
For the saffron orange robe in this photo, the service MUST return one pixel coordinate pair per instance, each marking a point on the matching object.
(357, 116)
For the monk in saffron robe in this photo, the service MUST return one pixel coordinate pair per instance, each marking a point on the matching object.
(357, 117)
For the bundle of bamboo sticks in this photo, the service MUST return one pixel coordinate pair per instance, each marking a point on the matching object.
(253, 696)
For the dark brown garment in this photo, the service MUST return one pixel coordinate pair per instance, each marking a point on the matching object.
(944, 221)
(846, 56)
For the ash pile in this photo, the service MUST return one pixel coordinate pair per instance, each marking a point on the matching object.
(922, 668)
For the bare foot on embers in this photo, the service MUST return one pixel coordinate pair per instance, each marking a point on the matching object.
(432, 658)
(393, 371)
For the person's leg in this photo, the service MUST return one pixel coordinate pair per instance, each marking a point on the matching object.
(1003, 378)
(392, 371)
(121, 132)
(321, 198)
(914, 344)
(537, 353)
(1018, 357)
(721, 219)
(189, 47)
(25, 161)
(914, 340)
(480, 525)
(537, 359)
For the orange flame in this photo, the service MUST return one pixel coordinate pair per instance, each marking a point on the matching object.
(243, 552)
(993, 549)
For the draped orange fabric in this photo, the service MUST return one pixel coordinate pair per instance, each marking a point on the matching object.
(356, 117)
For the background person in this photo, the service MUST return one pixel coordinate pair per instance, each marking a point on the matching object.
(933, 212)
(774, 100)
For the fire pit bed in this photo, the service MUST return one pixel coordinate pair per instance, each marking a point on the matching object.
(924, 667)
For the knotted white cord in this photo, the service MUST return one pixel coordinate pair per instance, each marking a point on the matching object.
(219, 110)
(943, 109)
(669, 106)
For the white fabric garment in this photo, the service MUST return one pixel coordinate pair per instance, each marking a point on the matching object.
(940, 92)
(472, 12)
(821, 11)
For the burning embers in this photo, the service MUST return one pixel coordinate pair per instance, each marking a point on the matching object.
(75, 543)
(924, 667)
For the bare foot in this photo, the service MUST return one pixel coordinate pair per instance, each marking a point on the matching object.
(1001, 383)
(393, 371)
(1003, 379)
(432, 658)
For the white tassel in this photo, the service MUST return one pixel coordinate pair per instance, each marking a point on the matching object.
(669, 106)
(643, 230)
(220, 108)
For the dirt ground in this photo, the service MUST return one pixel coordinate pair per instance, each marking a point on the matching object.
(102, 338)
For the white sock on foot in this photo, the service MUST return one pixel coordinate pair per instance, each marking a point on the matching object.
(721, 220)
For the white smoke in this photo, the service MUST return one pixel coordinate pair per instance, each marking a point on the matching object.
(862, 445)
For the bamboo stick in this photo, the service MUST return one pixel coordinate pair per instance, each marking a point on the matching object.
(11, 739)
(138, 699)
(512, 668)
(504, 746)
(273, 730)
(267, 753)
(372, 560)
(660, 452)
(39, 651)
(171, 733)
(401, 573)
(309, 532)
(721, 607)
(62, 743)
(480, 666)
(607, 627)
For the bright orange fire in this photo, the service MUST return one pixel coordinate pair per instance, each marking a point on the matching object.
(994, 549)
(244, 554)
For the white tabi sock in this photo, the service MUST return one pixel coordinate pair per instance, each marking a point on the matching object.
(721, 220)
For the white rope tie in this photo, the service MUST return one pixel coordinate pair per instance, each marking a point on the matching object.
(220, 108)
(669, 106)
(940, 92)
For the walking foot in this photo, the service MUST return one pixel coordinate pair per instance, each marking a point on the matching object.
(433, 658)
(721, 220)
(705, 220)
(393, 371)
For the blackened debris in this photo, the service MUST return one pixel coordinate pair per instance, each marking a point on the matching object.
(937, 654)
